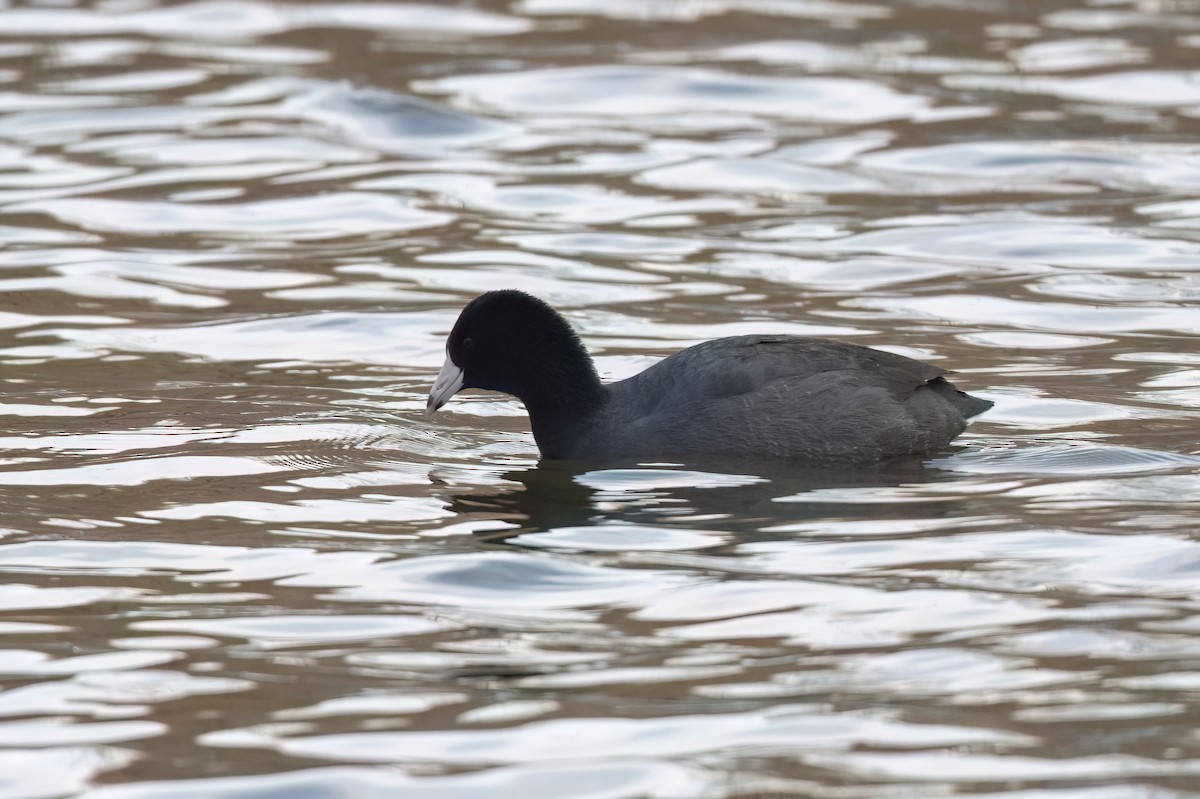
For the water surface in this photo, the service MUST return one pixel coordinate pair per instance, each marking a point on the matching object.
(240, 561)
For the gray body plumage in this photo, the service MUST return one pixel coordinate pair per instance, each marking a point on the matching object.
(804, 399)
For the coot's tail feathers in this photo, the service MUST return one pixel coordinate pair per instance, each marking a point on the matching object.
(963, 402)
(970, 406)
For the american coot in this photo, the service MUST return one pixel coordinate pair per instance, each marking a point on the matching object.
(805, 399)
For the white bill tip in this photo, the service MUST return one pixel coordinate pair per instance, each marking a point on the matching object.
(448, 383)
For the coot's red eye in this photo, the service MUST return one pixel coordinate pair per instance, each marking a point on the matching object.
(467, 344)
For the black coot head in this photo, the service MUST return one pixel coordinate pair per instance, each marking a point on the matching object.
(504, 341)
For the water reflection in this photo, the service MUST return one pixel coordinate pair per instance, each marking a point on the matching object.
(574, 506)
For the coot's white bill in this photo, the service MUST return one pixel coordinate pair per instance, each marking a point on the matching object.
(448, 383)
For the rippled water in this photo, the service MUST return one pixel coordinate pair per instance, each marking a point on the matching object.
(240, 561)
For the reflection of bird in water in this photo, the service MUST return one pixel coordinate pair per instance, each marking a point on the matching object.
(737, 496)
(807, 400)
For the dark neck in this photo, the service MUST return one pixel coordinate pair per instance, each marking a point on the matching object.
(556, 413)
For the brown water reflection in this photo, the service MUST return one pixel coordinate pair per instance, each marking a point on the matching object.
(241, 561)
